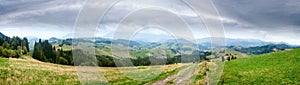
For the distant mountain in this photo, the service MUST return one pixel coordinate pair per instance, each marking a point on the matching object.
(206, 42)
(3, 36)
(54, 39)
(262, 49)
(32, 40)
(183, 41)
(235, 42)
(203, 44)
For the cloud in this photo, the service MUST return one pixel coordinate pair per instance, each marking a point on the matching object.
(262, 13)
(32, 9)
(38, 16)
(272, 20)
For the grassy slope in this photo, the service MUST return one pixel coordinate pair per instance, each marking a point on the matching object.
(274, 68)
(236, 53)
(20, 71)
(30, 71)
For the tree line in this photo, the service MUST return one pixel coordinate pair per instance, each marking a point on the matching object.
(13, 47)
(44, 51)
(262, 49)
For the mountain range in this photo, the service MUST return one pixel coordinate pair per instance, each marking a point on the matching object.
(203, 42)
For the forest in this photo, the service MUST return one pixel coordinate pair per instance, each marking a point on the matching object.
(13, 47)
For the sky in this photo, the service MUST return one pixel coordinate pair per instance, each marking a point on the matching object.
(268, 20)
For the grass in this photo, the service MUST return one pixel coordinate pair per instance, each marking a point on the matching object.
(29, 71)
(115, 77)
(142, 53)
(200, 76)
(274, 68)
(166, 74)
(197, 78)
(19, 71)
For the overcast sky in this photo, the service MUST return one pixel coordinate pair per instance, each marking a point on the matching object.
(269, 20)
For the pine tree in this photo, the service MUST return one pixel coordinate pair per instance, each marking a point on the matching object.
(25, 46)
(43, 51)
(1, 41)
(15, 42)
(26, 43)
(38, 52)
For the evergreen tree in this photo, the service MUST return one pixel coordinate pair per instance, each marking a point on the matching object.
(15, 42)
(25, 46)
(25, 40)
(43, 51)
(1, 41)
(38, 52)
(1, 51)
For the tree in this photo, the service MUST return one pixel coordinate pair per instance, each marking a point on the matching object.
(38, 52)
(1, 41)
(13, 47)
(5, 53)
(24, 50)
(18, 52)
(43, 51)
(223, 59)
(6, 45)
(228, 58)
(15, 42)
(25, 43)
(63, 61)
(11, 53)
(1, 51)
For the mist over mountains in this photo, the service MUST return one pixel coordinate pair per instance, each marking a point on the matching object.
(201, 42)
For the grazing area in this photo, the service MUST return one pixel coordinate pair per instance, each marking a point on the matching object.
(273, 68)
(31, 71)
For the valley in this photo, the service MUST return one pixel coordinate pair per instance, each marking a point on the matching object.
(56, 61)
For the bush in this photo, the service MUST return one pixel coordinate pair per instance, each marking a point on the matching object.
(1, 51)
(63, 61)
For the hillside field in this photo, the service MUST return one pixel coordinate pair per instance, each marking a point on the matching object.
(271, 69)
(30, 71)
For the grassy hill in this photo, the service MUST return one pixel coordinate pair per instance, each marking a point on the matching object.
(29, 71)
(236, 53)
(273, 68)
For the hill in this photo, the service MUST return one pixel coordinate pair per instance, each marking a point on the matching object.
(29, 71)
(3, 36)
(263, 49)
(273, 68)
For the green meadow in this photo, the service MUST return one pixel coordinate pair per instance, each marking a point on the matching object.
(271, 69)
